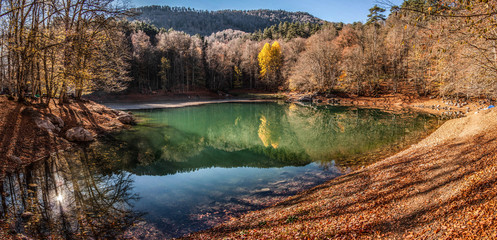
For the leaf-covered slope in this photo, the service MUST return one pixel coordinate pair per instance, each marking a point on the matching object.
(203, 22)
(441, 188)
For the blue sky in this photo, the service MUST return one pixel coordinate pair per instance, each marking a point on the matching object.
(346, 11)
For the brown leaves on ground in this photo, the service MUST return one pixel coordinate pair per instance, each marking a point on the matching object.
(22, 142)
(442, 188)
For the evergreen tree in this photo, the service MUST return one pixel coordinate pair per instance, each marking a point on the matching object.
(376, 15)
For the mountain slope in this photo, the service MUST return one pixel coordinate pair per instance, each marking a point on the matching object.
(202, 22)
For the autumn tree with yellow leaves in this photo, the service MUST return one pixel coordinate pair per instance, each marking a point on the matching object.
(270, 61)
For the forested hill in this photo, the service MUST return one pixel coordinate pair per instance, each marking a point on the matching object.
(204, 22)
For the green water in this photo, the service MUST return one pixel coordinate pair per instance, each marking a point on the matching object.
(235, 135)
(187, 169)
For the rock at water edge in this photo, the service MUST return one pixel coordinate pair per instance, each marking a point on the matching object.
(79, 134)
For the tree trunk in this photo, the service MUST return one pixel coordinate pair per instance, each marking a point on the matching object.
(63, 94)
(79, 93)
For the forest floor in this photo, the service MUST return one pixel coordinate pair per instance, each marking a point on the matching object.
(444, 187)
(23, 142)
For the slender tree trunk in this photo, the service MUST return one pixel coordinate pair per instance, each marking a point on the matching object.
(79, 93)
(4, 200)
(63, 93)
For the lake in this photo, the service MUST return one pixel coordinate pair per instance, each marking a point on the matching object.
(187, 169)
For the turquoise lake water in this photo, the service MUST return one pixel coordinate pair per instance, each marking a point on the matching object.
(186, 169)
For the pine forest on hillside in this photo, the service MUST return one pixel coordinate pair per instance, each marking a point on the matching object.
(201, 22)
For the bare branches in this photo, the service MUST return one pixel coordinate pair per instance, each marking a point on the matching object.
(49, 44)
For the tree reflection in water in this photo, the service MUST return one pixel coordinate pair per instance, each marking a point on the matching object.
(196, 167)
(170, 141)
(71, 196)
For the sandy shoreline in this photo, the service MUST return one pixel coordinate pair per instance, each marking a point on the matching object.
(173, 104)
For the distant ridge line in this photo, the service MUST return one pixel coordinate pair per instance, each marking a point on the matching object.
(205, 22)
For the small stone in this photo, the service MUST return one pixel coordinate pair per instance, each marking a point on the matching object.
(305, 99)
(46, 124)
(49, 123)
(78, 134)
(263, 190)
(115, 112)
(126, 118)
(55, 120)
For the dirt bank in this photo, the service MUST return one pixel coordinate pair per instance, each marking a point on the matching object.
(22, 141)
(444, 187)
